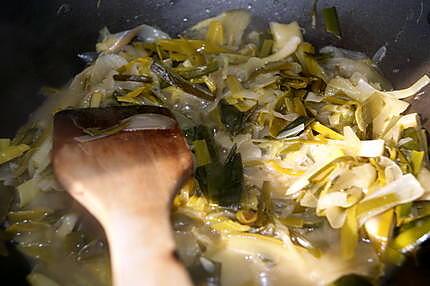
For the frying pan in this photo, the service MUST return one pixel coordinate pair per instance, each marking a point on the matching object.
(41, 40)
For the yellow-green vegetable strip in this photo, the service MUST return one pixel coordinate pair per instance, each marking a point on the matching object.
(12, 152)
(408, 239)
(202, 153)
(349, 234)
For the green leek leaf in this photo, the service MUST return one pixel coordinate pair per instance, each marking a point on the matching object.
(409, 239)
(174, 79)
(331, 21)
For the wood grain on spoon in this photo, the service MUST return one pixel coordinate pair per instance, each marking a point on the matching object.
(126, 180)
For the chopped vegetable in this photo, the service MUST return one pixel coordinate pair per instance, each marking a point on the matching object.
(380, 229)
(417, 161)
(325, 131)
(225, 182)
(215, 33)
(403, 190)
(349, 234)
(305, 54)
(12, 152)
(202, 154)
(232, 118)
(331, 21)
(296, 127)
(308, 168)
(412, 90)
(287, 38)
(198, 71)
(27, 191)
(127, 77)
(410, 238)
(176, 80)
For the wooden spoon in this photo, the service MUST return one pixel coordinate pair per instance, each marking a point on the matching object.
(126, 180)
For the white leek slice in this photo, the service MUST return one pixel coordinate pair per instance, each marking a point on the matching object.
(412, 90)
(384, 109)
(309, 200)
(282, 33)
(344, 85)
(403, 190)
(363, 90)
(148, 121)
(392, 171)
(303, 180)
(336, 216)
(365, 148)
(371, 148)
(362, 176)
(287, 39)
(333, 199)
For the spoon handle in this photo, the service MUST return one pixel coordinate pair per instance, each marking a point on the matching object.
(142, 249)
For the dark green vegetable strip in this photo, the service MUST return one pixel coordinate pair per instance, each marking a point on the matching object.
(331, 21)
(233, 119)
(222, 183)
(419, 210)
(417, 141)
(199, 71)
(201, 132)
(225, 184)
(296, 127)
(28, 215)
(271, 67)
(174, 79)
(266, 48)
(129, 77)
(305, 54)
